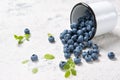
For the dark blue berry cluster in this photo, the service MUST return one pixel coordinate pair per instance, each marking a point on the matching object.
(77, 40)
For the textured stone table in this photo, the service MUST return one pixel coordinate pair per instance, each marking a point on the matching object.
(41, 17)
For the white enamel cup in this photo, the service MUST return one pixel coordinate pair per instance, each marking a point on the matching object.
(104, 13)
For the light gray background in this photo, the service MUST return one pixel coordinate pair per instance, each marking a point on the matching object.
(41, 17)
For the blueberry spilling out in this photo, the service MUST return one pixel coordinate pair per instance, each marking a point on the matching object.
(61, 64)
(51, 39)
(34, 57)
(111, 55)
(27, 31)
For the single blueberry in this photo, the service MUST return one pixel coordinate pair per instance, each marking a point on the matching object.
(86, 23)
(71, 47)
(79, 32)
(70, 41)
(80, 19)
(111, 55)
(96, 51)
(62, 64)
(34, 57)
(61, 36)
(80, 38)
(86, 38)
(63, 41)
(76, 54)
(27, 31)
(90, 52)
(90, 22)
(74, 37)
(51, 39)
(90, 34)
(88, 58)
(77, 60)
(70, 32)
(94, 56)
(76, 44)
(66, 50)
(67, 37)
(95, 46)
(88, 27)
(67, 55)
(84, 29)
(82, 45)
(82, 24)
(84, 54)
(74, 30)
(65, 45)
(74, 25)
(89, 44)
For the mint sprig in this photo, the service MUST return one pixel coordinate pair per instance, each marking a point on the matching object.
(49, 56)
(25, 61)
(22, 38)
(69, 68)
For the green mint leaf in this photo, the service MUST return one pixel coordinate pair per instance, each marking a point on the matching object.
(71, 63)
(49, 34)
(20, 38)
(66, 66)
(73, 71)
(34, 70)
(15, 36)
(25, 61)
(20, 42)
(49, 56)
(67, 74)
(27, 36)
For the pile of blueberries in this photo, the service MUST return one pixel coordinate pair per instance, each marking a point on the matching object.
(77, 40)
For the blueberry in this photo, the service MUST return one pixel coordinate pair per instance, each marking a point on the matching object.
(27, 31)
(82, 45)
(95, 46)
(84, 29)
(96, 51)
(88, 27)
(71, 47)
(86, 23)
(90, 22)
(74, 30)
(76, 44)
(80, 38)
(74, 25)
(94, 56)
(90, 34)
(76, 53)
(65, 45)
(90, 52)
(70, 41)
(65, 32)
(63, 41)
(74, 37)
(89, 44)
(66, 50)
(67, 37)
(77, 60)
(79, 32)
(61, 36)
(80, 19)
(111, 55)
(88, 58)
(93, 29)
(34, 57)
(67, 55)
(84, 54)
(82, 24)
(51, 39)
(61, 64)
(86, 38)
(70, 32)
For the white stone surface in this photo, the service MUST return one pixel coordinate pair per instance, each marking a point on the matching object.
(41, 17)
